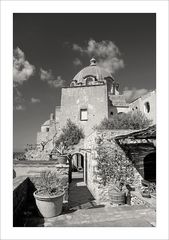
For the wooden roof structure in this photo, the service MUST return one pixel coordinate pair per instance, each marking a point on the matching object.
(138, 146)
(148, 133)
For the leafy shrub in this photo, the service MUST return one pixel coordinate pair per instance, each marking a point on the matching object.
(71, 135)
(113, 167)
(130, 120)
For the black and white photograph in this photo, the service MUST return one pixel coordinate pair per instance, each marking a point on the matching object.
(84, 95)
(84, 120)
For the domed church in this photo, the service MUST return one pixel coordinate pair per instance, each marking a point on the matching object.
(92, 96)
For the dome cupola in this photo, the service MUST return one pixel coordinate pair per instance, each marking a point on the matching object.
(92, 75)
(93, 62)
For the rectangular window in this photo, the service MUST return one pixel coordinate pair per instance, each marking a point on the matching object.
(83, 115)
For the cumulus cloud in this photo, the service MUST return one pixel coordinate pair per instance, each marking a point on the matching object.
(22, 69)
(106, 53)
(131, 95)
(47, 76)
(77, 62)
(35, 100)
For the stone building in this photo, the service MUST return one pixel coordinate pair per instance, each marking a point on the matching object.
(145, 104)
(93, 95)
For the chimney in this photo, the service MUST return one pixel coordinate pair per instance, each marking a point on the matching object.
(51, 116)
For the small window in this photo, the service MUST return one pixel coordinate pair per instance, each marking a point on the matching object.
(147, 107)
(47, 129)
(83, 115)
(89, 80)
(111, 113)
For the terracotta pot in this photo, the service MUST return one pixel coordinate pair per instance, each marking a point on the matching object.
(62, 159)
(49, 206)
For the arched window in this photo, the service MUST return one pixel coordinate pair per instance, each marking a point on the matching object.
(89, 80)
(146, 107)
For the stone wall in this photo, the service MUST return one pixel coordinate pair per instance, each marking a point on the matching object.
(99, 191)
(139, 104)
(33, 169)
(20, 195)
(92, 98)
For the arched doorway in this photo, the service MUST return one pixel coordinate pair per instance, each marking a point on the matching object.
(77, 162)
(77, 166)
(150, 167)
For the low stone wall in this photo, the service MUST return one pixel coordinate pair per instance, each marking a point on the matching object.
(99, 191)
(20, 195)
(33, 169)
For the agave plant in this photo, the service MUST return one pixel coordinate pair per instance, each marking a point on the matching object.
(49, 184)
(61, 148)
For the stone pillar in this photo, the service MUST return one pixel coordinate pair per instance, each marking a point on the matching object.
(85, 168)
(79, 160)
(74, 160)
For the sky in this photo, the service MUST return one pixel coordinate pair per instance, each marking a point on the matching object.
(50, 49)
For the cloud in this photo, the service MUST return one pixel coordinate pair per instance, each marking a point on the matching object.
(19, 107)
(22, 69)
(78, 48)
(106, 53)
(131, 95)
(18, 100)
(35, 100)
(47, 76)
(77, 62)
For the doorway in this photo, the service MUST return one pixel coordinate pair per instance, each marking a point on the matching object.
(150, 167)
(77, 166)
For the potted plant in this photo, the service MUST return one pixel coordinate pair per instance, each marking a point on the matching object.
(62, 153)
(115, 172)
(49, 194)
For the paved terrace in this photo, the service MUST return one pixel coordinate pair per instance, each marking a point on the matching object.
(84, 212)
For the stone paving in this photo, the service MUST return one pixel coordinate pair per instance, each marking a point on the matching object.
(122, 216)
(84, 212)
(79, 195)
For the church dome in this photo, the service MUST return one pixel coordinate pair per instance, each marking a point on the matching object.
(91, 75)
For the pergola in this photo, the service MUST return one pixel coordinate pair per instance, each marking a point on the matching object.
(140, 147)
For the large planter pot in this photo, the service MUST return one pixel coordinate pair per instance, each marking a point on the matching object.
(62, 159)
(49, 206)
(117, 197)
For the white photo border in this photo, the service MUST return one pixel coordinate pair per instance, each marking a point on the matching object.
(7, 10)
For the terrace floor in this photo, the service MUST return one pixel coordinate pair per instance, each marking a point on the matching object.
(83, 211)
